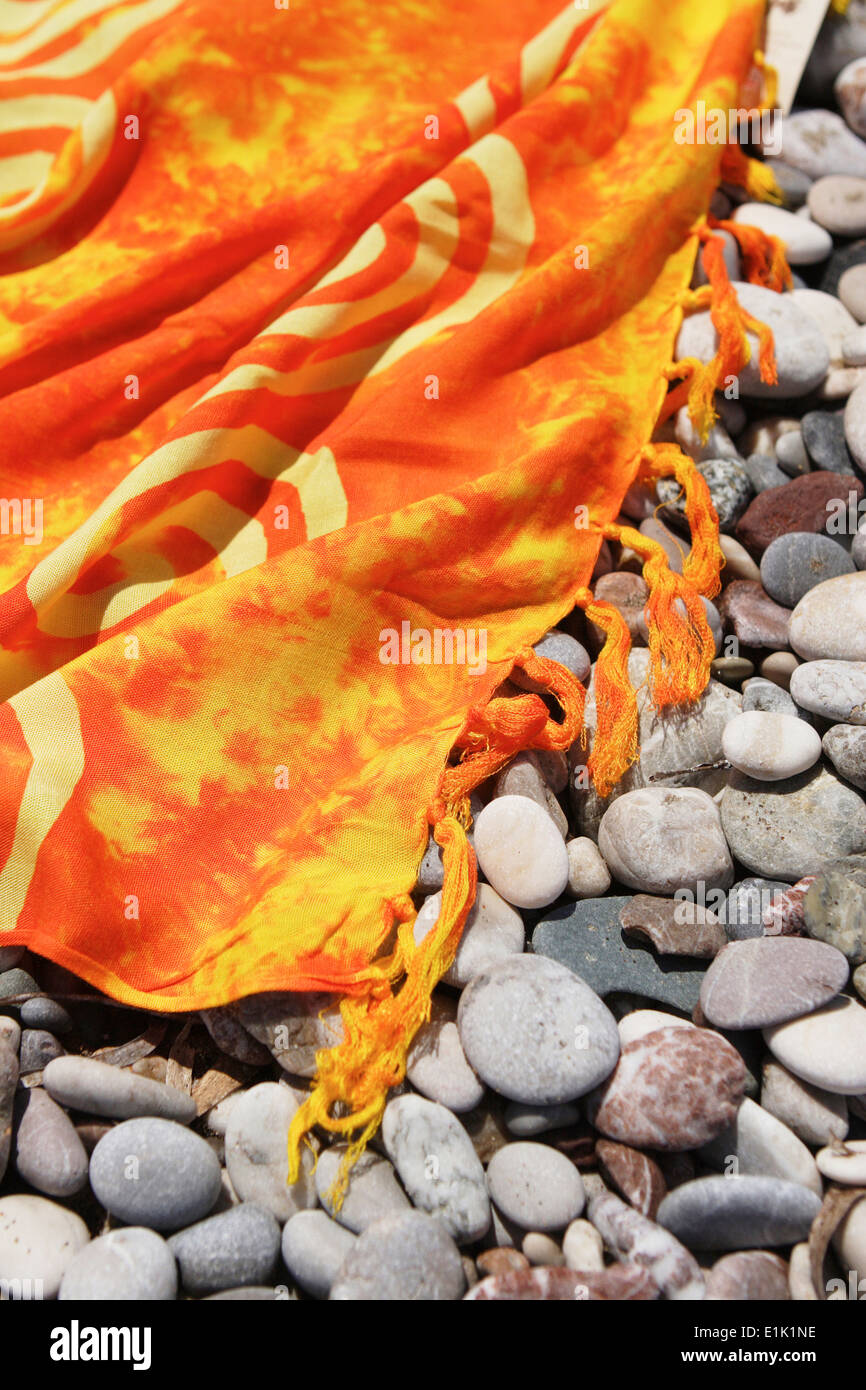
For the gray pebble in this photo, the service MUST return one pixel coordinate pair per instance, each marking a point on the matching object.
(261, 1293)
(823, 433)
(431, 871)
(792, 828)
(845, 746)
(437, 1165)
(406, 1258)
(154, 1172)
(82, 1083)
(46, 1013)
(739, 1213)
(237, 1248)
(38, 1048)
(793, 182)
(535, 1186)
(436, 1065)
(526, 1121)
(256, 1149)
(764, 471)
(16, 981)
(555, 646)
(764, 695)
(791, 454)
(373, 1191)
(314, 1248)
(48, 1153)
(129, 1265)
(293, 1027)
(8, 1083)
(794, 563)
(747, 901)
(535, 1032)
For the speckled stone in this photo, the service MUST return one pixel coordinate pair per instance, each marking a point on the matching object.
(673, 1089)
(406, 1257)
(748, 1276)
(232, 1250)
(730, 491)
(746, 904)
(619, 1284)
(834, 907)
(493, 931)
(801, 352)
(801, 505)
(636, 1240)
(755, 618)
(830, 621)
(826, 1048)
(657, 839)
(814, 1115)
(845, 746)
(535, 1186)
(788, 829)
(784, 916)
(634, 1174)
(588, 938)
(734, 1213)
(536, 1033)
(834, 689)
(761, 694)
(794, 563)
(674, 928)
(155, 1173)
(437, 1165)
(38, 1240)
(373, 1191)
(130, 1265)
(754, 984)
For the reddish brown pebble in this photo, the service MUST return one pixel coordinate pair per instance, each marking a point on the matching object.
(784, 916)
(501, 1260)
(638, 1178)
(800, 505)
(619, 1284)
(658, 920)
(748, 1276)
(675, 1089)
(754, 617)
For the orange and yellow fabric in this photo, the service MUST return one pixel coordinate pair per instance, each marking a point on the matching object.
(317, 321)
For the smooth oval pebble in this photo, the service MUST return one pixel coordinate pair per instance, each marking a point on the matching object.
(830, 620)
(834, 689)
(525, 1121)
(770, 746)
(521, 852)
(535, 1032)
(672, 1090)
(48, 1153)
(153, 1172)
(769, 979)
(256, 1149)
(802, 355)
(406, 1257)
(130, 1265)
(493, 930)
(437, 1066)
(818, 142)
(844, 1162)
(805, 243)
(81, 1083)
(793, 564)
(535, 1186)
(437, 1165)
(789, 829)
(555, 646)
(826, 1048)
(38, 1241)
(838, 202)
(814, 1115)
(588, 875)
(314, 1247)
(758, 1143)
(734, 1213)
(236, 1248)
(658, 839)
(38, 1048)
(748, 1276)
(373, 1191)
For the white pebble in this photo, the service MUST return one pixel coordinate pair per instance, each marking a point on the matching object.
(521, 852)
(770, 747)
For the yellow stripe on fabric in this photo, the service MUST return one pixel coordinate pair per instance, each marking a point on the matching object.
(477, 107)
(19, 171)
(98, 44)
(60, 21)
(51, 726)
(41, 112)
(540, 56)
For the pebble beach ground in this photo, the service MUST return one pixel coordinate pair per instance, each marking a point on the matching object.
(644, 1076)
